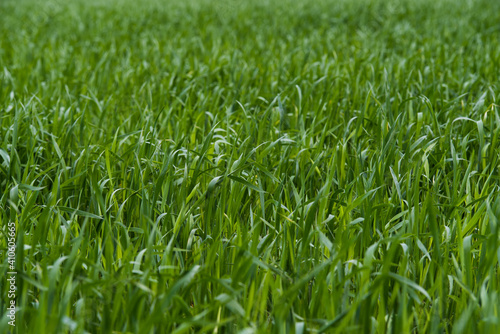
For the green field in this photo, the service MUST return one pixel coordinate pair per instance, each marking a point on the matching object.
(233, 166)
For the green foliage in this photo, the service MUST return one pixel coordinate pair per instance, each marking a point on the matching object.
(251, 167)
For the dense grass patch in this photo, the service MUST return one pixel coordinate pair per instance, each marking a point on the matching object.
(264, 166)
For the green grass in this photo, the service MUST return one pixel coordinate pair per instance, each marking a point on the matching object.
(251, 167)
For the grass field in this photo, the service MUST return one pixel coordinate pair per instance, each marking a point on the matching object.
(251, 166)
